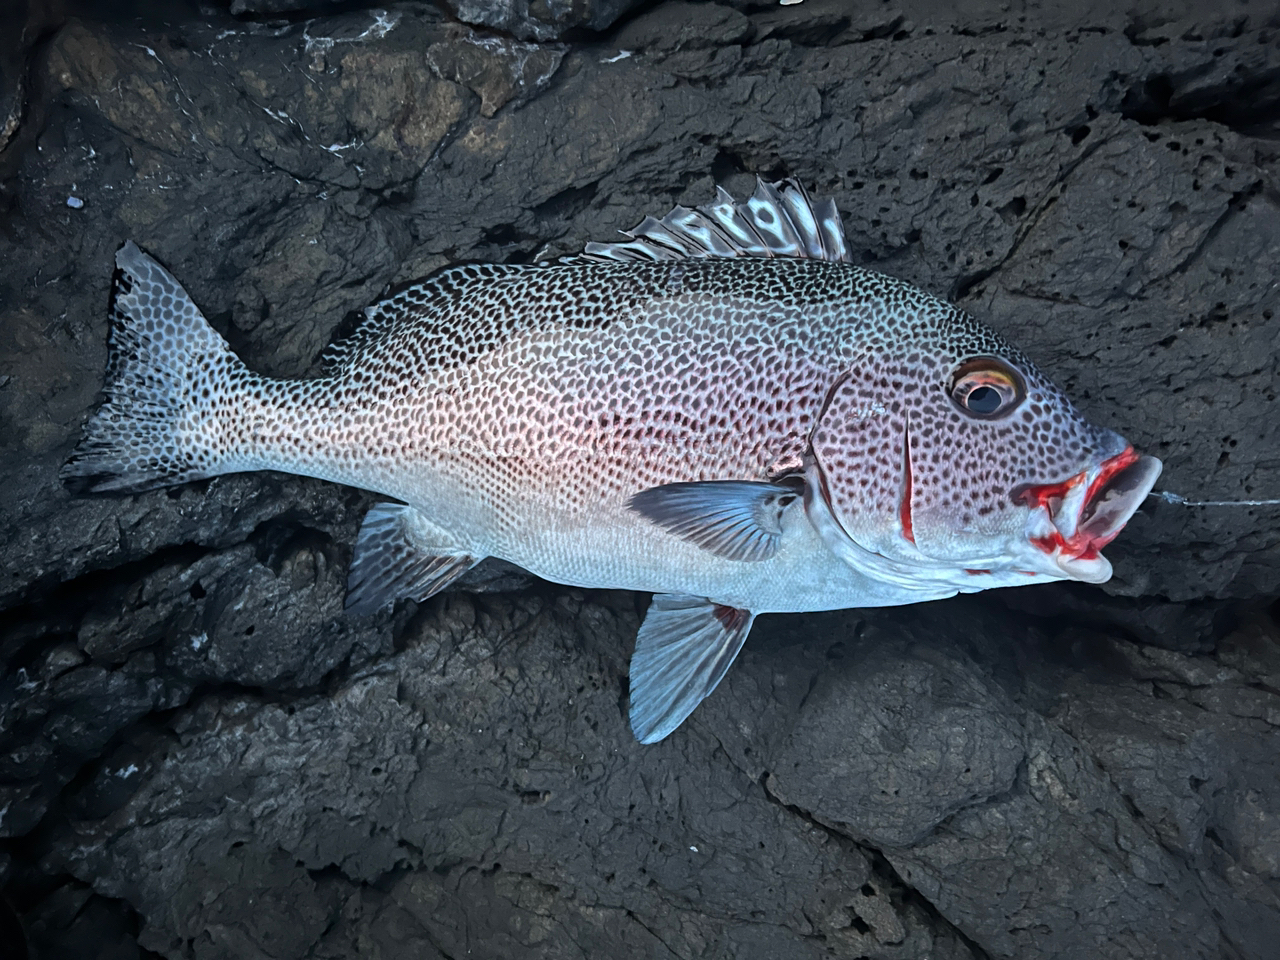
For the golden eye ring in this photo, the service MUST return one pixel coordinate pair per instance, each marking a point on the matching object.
(986, 388)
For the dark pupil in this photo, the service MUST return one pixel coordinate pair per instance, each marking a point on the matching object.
(983, 399)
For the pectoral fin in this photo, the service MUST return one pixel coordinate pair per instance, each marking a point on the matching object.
(684, 647)
(400, 553)
(734, 519)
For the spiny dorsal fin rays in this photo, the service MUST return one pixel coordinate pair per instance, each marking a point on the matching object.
(800, 209)
(772, 222)
(735, 220)
(778, 220)
(711, 241)
(832, 230)
(626, 250)
(674, 237)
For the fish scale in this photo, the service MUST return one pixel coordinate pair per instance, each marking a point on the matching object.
(721, 410)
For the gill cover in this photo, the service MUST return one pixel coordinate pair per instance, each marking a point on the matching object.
(862, 463)
(859, 491)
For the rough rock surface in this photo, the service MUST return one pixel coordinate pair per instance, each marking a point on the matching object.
(203, 757)
(541, 19)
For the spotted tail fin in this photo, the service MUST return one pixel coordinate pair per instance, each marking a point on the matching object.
(778, 220)
(151, 426)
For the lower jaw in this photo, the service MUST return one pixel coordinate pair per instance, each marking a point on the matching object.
(1079, 561)
(1097, 569)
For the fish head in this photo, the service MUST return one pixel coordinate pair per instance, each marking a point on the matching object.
(956, 463)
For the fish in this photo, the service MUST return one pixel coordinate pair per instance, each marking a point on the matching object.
(722, 410)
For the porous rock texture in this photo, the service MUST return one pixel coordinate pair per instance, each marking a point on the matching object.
(204, 758)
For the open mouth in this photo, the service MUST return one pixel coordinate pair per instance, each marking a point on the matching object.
(1073, 520)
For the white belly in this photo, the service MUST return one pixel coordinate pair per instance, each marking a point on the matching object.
(613, 547)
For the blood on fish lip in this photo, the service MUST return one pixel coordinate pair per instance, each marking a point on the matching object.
(1080, 545)
(1043, 494)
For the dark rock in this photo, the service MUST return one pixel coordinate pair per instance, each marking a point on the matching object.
(499, 71)
(1185, 627)
(200, 753)
(930, 721)
(697, 26)
(73, 921)
(259, 7)
(451, 786)
(540, 19)
(12, 72)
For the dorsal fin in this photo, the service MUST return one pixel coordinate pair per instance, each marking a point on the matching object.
(779, 220)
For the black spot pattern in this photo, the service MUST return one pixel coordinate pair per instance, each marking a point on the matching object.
(522, 406)
(170, 381)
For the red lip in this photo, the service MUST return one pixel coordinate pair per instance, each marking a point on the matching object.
(1111, 498)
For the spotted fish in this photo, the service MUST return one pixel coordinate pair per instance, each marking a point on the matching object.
(721, 410)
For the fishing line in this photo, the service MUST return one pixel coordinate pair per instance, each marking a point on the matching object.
(1177, 498)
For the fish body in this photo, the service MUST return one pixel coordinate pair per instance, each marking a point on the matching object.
(722, 411)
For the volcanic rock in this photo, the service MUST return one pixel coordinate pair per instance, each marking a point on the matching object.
(204, 757)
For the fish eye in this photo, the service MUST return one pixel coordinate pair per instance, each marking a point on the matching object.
(986, 388)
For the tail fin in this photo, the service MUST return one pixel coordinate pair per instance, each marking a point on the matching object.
(150, 427)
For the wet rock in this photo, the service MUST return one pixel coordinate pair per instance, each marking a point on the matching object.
(445, 781)
(697, 26)
(446, 778)
(200, 752)
(540, 19)
(499, 71)
(930, 721)
(12, 69)
(1185, 627)
(72, 920)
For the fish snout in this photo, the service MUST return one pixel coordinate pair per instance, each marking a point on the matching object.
(1073, 520)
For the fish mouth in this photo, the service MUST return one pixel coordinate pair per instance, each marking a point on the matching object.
(1073, 520)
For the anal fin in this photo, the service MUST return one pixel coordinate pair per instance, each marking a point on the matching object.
(684, 647)
(399, 553)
